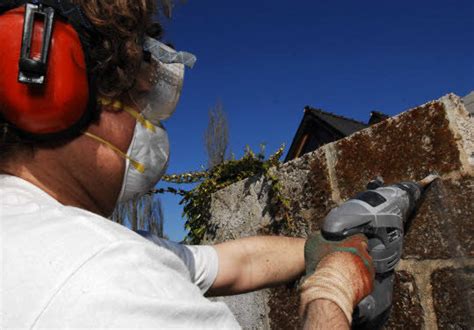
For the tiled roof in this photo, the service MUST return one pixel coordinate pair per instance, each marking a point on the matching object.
(344, 125)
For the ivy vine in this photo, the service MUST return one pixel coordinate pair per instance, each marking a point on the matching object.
(197, 201)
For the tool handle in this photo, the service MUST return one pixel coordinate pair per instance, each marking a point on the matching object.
(373, 311)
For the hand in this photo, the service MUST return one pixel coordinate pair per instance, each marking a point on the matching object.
(317, 248)
(338, 271)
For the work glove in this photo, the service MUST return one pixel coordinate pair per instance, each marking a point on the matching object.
(339, 271)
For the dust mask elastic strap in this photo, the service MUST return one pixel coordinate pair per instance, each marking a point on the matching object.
(118, 105)
(137, 165)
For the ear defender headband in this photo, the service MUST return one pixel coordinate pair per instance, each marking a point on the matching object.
(47, 88)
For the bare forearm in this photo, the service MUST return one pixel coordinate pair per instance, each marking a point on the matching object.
(324, 313)
(257, 262)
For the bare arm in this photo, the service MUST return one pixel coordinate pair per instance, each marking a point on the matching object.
(254, 263)
(322, 313)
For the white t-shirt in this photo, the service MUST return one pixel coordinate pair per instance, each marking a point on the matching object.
(64, 267)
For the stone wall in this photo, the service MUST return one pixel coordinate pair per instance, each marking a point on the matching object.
(435, 280)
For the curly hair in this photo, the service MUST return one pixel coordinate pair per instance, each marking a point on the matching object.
(121, 25)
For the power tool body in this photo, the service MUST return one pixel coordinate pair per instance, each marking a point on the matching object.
(380, 213)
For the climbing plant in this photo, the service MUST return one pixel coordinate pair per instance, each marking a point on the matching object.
(197, 201)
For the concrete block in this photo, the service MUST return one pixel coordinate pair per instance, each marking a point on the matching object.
(239, 210)
(407, 306)
(246, 208)
(306, 183)
(284, 304)
(453, 297)
(250, 309)
(435, 137)
(443, 227)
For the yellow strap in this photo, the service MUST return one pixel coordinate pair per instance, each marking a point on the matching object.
(104, 100)
(139, 117)
(118, 105)
(138, 166)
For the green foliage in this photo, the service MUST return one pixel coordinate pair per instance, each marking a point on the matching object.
(197, 201)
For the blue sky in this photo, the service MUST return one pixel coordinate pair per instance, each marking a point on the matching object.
(266, 60)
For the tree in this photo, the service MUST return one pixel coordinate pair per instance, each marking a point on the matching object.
(144, 213)
(216, 137)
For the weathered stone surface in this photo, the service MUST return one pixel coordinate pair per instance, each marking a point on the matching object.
(250, 309)
(453, 297)
(469, 102)
(284, 304)
(319, 190)
(239, 210)
(462, 123)
(246, 209)
(306, 183)
(438, 136)
(311, 200)
(406, 304)
(407, 147)
(444, 225)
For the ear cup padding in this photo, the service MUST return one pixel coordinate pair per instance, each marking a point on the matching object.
(63, 99)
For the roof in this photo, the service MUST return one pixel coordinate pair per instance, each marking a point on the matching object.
(346, 126)
(469, 102)
(318, 128)
(376, 117)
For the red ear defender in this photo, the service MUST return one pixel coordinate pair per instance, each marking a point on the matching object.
(44, 84)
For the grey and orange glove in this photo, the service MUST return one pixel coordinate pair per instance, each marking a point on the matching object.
(339, 271)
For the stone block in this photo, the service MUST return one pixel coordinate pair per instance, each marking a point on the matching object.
(444, 225)
(250, 309)
(239, 210)
(284, 304)
(469, 102)
(306, 183)
(435, 137)
(407, 312)
(247, 209)
(453, 297)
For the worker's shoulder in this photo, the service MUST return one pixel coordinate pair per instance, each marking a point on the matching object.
(98, 226)
(48, 244)
(27, 211)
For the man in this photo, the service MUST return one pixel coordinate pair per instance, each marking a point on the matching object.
(83, 89)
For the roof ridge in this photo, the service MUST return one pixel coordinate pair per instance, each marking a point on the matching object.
(310, 108)
(379, 113)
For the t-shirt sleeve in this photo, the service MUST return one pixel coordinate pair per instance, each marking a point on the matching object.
(131, 284)
(201, 260)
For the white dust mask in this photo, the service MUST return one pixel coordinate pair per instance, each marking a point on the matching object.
(151, 149)
(147, 156)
